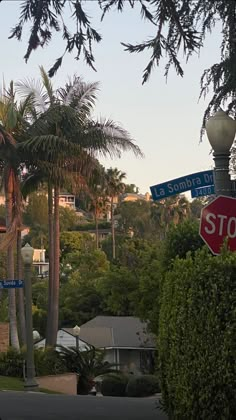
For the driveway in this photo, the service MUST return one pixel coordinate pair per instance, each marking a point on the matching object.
(29, 406)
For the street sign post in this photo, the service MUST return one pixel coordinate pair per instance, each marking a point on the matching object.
(180, 185)
(11, 284)
(203, 191)
(218, 221)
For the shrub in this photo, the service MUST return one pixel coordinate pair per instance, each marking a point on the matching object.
(12, 364)
(197, 338)
(114, 385)
(48, 362)
(142, 386)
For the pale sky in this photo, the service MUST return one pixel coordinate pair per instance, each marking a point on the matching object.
(163, 118)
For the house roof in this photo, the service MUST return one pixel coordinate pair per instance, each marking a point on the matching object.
(97, 337)
(116, 332)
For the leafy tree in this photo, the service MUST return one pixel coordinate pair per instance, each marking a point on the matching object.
(131, 189)
(68, 219)
(181, 240)
(36, 217)
(106, 245)
(196, 207)
(134, 218)
(180, 27)
(80, 301)
(83, 272)
(39, 308)
(75, 242)
(118, 289)
(36, 211)
(143, 259)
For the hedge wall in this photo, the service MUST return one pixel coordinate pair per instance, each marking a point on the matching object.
(197, 341)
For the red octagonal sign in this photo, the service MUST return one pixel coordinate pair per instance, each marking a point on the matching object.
(218, 221)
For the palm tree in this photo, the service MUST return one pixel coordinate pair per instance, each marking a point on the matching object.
(115, 186)
(63, 141)
(97, 195)
(13, 124)
(88, 364)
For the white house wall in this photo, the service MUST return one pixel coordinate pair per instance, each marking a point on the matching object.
(64, 339)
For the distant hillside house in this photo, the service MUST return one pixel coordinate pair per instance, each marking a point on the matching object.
(40, 263)
(124, 338)
(67, 200)
(134, 197)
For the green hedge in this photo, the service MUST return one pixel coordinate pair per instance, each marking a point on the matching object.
(114, 384)
(47, 362)
(142, 386)
(12, 364)
(197, 338)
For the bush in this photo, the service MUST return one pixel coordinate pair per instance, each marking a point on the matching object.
(114, 385)
(48, 362)
(197, 338)
(12, 364)
(142, 386)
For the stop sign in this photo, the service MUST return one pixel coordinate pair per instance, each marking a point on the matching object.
(218, 221)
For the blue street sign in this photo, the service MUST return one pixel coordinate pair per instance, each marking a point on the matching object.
(11, 284)
(180, 185)
(202, 191)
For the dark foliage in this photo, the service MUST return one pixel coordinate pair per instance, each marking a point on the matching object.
(46, 16)
(197, 338)
(142, 386)
(179, 26)
(12, 364)
(180, 240)
(114, 385)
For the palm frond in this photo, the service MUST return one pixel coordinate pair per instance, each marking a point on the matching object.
(32, 87)
(47, 84)
(105, 137)
(79, 95)
(31, 183)
(6, 138)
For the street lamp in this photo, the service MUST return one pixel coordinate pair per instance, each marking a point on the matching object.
(27, 253)
(221, 132)
(76, 331)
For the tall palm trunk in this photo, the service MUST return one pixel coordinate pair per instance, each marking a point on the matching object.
(113, 230)
(20, 294)
(9, 190)
(51, 266)
(96, 228)
(56, 274)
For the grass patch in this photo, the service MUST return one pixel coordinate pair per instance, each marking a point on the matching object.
(16, 384)
(11, 384)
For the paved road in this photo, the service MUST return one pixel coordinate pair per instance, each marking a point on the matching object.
(30, 406)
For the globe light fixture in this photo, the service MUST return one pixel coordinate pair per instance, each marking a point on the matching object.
(221, 132)
(27, 253)
(76, 332)
(221, 129)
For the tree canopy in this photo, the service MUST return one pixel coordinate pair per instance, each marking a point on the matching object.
(179, 27)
